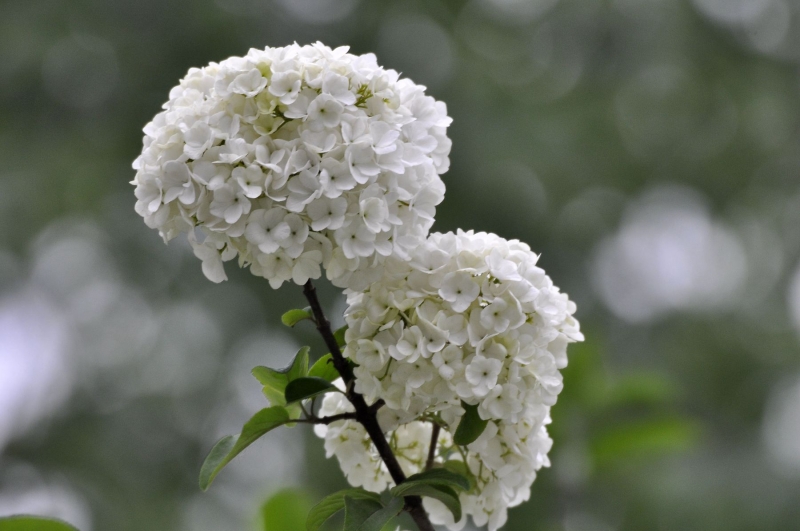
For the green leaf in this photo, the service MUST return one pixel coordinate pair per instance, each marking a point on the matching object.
(357, 511)
(383, 516)
(262, 422)
(292, 317)
(334, 503)
(275, 397)
(642, 388)
(276, 380)
(461, 468)
(440, 477)
(285, 511)
(470, 427)
(339, 336)
(33, 523)
(436, 483)
(446, 495)
(299, 366)
(303, 388)
(323, 368)
(273, 381)
(211, 464)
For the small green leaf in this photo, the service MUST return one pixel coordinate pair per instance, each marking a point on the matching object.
(292, 317)
(285, 511)
(275, 397)
(276, 380)
(299, 366)
(323, 368)
(262, 422)
(470, 427)
(446, 495)
(303, 388)
(219, 452)
(334, 503)
(440, 477)
(357, 511)
(33, 523)
(339, 336)
(383, 516)
(271, 378)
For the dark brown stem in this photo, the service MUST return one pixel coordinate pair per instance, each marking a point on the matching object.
(310, 419)
(365, 414)
(432, 449)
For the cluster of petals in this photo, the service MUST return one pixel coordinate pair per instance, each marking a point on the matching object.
(469, 319)
(295, 159)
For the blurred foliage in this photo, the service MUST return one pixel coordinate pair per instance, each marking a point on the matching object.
(626, 419)
(32, 523)
(286, 510)
(650, 150)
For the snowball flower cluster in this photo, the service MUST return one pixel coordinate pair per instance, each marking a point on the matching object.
(293, 159)
(469, 319)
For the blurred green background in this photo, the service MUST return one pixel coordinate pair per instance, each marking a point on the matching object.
(649, 149)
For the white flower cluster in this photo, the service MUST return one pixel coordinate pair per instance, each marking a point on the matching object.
(352, 446)
(469, 318)
(294, 158)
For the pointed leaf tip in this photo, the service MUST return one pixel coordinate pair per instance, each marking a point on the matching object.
(299, 366)
(219, 452)
(229, 447)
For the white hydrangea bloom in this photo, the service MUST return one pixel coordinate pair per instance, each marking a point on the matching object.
(295, 159)
(470, 317)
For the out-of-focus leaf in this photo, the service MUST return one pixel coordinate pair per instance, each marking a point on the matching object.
(446, 495)
(285, 510)
(334, 503)
(303, 388)
(33, 523)
(357, 510)
(646, 437)
(292, 317)
(323, 368)
(470, 427)
(262, 422)
(585, 382)
(646, 388)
